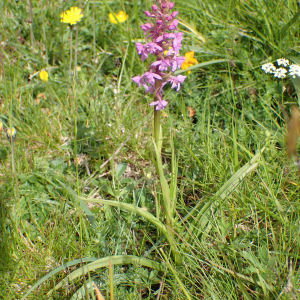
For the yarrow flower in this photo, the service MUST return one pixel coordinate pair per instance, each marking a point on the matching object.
(280, 73)
(294, 70)
(121, 17)
(164, 42)
(71, 16)
(189, 60)
(43, 75)
(283, 62)
(268, 68)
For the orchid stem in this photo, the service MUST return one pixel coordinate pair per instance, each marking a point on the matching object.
(163, 182)
(156, 127)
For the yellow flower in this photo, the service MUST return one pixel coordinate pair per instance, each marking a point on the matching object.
(11, 133)
(189, 60)
(44, 75)
(121, 17)
(71, 16)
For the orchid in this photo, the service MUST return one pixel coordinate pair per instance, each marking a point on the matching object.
(164, 42)
(176, 81)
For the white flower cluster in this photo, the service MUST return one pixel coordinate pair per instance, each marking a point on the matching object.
(294, 70)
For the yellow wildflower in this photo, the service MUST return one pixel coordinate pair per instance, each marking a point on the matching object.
(71, 16)
(44, 75)
(121, 17)
(189, 60)
(11, 133)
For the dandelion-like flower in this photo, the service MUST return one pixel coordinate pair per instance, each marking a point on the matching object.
(189, 60)
(11, 133)
(283, 62)
(43, 76)
(294, 70)
(71, 16)
(164, 43)
(268, 68)
(121, 17)
(280, 73)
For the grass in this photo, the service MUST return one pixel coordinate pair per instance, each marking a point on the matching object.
(79, 192)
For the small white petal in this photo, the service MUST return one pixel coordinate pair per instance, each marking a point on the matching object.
(280, 73)
(268, 68)
(283, 62)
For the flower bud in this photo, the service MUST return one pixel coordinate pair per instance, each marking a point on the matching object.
(11, 133)
(154, 8)
(169, 18)
(171, 5)
(174, 14)
(147, 13)
(173, 25)
(146, 27)
(164, 5)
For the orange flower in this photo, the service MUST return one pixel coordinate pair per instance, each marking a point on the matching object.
(189, 60)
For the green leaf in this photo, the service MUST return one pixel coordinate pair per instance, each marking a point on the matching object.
(32, 179)
(231, 184)
(56, 162)
(289, 24)
(60, 268)
(22, 178)
(129, 207)
(204, 64)
(203, 216)
(121, 169)
(105, 262)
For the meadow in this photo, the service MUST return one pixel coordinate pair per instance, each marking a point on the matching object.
(95, 205)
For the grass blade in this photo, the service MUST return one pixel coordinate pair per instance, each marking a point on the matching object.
(105, 262)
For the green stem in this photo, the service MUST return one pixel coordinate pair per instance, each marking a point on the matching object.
(44, 35)
(163, 182)
(62, 36)
(76, 41)
(94, 29)
(70, 66)
(31, 27)
(156, 126)
(14, 171)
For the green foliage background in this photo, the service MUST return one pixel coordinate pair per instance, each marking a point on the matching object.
(91, 137)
